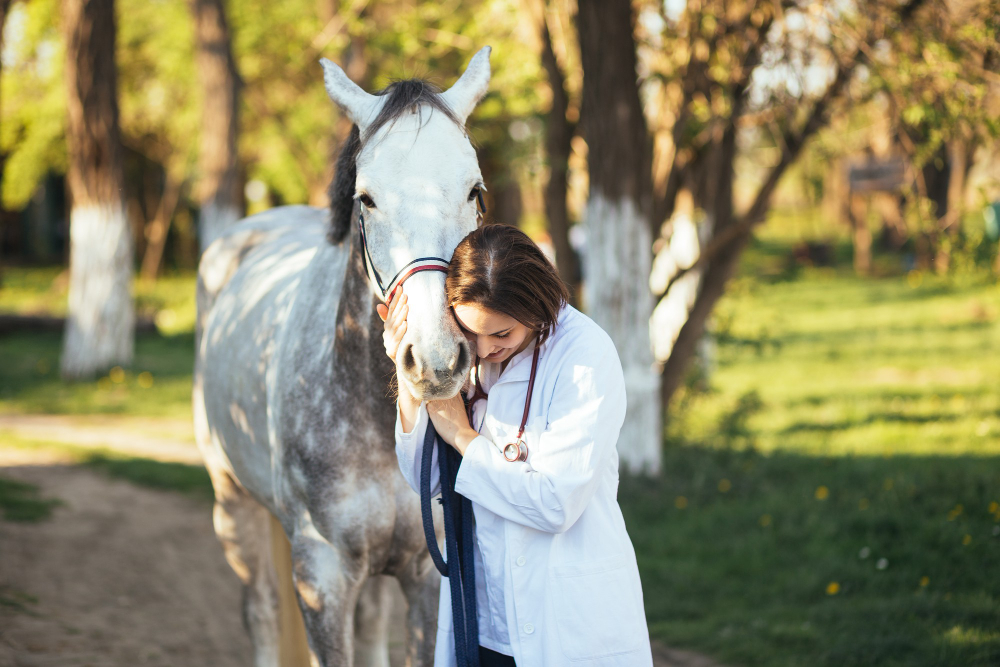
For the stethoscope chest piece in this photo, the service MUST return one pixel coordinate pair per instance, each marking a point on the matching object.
(516, 451)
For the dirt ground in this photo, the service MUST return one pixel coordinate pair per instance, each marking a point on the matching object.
(122, 575)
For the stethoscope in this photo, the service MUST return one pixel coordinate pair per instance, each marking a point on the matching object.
(513, 451)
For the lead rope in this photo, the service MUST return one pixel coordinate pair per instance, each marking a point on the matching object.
(458, 536)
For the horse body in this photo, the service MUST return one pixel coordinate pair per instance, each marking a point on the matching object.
(293, 412)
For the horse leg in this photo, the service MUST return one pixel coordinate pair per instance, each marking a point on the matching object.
(371, 624)
(421, 585)
(244, 527)
(328, 584)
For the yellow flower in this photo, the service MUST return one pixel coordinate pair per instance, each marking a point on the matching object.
(680, 502)
(957, 510)
(117, 374)
(832, 588)
(924, 581)
(145, 379)
(765, 520)
(994, 507)
(822, 493)
(725, 485)
(967, 540)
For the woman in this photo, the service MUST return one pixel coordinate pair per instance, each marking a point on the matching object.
(556, 576)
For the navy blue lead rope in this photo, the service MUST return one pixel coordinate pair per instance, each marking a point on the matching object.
(458, 545)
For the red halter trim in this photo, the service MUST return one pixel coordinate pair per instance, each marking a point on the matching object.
(418, 265)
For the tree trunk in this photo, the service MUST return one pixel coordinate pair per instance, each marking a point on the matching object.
(219, 189)
(619, 247)
(157, 228)
(958, 165)
(558, 145)
(101, 320)
(861, 234)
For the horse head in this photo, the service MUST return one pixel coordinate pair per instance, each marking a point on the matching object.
(414, 175)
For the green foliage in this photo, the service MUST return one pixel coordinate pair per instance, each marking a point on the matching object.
(22, 502)
(33, 95)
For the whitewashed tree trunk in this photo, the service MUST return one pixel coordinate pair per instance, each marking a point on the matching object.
(618, 299)
(101, 319)
(213, 219)
(619, 207)
(219, 189)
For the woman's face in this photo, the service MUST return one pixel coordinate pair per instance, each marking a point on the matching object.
(495, 337)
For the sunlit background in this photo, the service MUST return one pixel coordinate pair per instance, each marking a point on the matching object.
(820, 197)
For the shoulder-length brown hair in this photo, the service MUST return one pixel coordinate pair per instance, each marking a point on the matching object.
(500, 268)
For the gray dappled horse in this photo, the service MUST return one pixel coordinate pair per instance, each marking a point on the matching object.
(293, 412)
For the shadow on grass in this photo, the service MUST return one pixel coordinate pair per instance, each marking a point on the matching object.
(22, 502)
(189, 479)
(875, 418)
(795, 560)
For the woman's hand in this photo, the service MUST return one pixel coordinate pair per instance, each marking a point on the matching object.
(394, 316)
(451, 422)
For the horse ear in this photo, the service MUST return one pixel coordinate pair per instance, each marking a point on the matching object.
(359, 106)
(471, 86)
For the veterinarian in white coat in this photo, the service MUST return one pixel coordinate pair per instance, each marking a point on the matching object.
(556, 575)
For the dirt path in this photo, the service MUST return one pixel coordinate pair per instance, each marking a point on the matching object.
(122, 575)
(118, 576)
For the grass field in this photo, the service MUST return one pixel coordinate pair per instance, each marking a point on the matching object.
(829, 497)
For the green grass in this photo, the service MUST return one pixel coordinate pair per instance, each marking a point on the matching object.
(29, 363)
(30, 383)
(168, 476)
(22, 502)
(846, 421)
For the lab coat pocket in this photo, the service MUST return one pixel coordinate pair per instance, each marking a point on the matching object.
(598, 612)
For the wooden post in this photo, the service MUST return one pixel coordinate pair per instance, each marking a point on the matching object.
(294, 648)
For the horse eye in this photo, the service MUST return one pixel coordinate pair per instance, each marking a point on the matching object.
(475, 192)
(366, 200)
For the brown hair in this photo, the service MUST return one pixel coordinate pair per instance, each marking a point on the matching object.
(500, 268)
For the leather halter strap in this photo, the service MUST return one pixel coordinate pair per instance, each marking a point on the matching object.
(416, 266)
(411, 268)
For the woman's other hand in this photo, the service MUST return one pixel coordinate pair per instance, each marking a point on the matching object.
(451, 422)
(394, 316)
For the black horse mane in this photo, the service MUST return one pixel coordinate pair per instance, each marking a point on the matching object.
(402, 96)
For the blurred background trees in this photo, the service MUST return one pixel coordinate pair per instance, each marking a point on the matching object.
(644, 143)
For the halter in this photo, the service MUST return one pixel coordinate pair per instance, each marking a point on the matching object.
(411, 268)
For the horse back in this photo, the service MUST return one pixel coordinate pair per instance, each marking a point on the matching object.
(248, 282)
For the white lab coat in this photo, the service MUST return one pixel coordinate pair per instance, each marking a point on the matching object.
(571, 584)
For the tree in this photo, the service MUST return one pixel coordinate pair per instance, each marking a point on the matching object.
(100, 320)
(619, 216)
(219, 191)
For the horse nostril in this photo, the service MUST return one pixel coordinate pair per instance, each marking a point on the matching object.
(461, 358)
(409, 363)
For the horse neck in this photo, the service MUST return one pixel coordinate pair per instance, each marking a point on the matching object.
(358, 342)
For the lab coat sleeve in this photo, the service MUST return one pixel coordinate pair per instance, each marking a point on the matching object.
(550, 491)
(410, 448)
